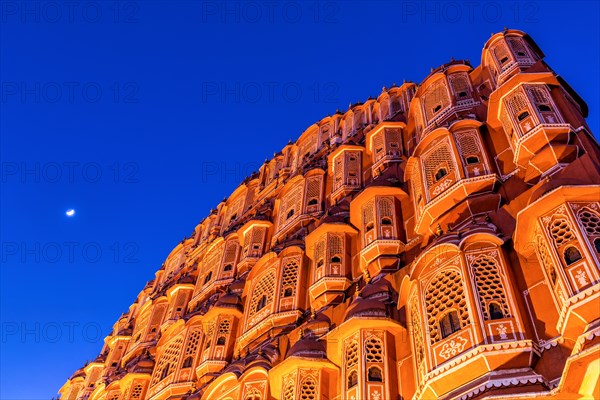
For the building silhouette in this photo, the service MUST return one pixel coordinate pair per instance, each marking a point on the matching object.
(439, 242)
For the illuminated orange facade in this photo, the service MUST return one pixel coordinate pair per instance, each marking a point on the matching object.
(439, 242)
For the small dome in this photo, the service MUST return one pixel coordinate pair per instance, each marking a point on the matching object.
(318, 324)
(377, 290)
(229, 300)
(309, 348)
(366, 308)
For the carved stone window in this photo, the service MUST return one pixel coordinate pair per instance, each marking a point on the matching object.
(436, 99)
(490, 288)
(352, 379)
(167, 361)
(374, 349)
(571, 255)
(308, 389)
(445, 293)
(263, 293)
(449, 323)
(374, 374)
(289, 277)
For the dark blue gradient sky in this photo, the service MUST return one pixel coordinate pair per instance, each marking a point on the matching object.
(143, 115)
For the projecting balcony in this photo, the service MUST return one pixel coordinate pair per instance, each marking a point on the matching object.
(383, 160)
(448, 193)
(264, 321)
(383, 245)
(579, 310)
(514, 66)
(313, 212)
(327, 289)
(344, 188)
(449, 114)
(544, 146)
(459, 365)
(168, 390)
(208, 368)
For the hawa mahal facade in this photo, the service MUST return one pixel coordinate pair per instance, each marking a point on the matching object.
(441, 241)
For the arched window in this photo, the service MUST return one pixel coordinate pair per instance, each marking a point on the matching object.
(375, 375)
(501, 53)
(590, 220)
(459, 83)
(561, 232)
(523, 115)
(438, 163)
(472, 160)
(289, 277)
(370, 226)
(336, 259)
(572, 255)
(435, 99)
(289, 387)
(262, 294)
(207, 344)
(220, 340)
(490, 287)
(544, 107)
(449, 324)
(442, 172)
(386, 221)
(192, 346)
(166, 362)
(165, 372)
(253, 394)
(313, 193)
(374, 349)
(228, 267)
(290, 214)
(187, 363)
(445, 294)
(262, 302)
(352, 379)
(207, 278)
(351, 354)
(308, 389)
(495, 311)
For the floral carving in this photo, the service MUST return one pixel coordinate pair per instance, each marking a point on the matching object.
(501, 329)
(453, 347)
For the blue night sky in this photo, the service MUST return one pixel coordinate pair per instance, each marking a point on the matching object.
(143, 115)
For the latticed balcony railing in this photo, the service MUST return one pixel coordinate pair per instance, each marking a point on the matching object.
(441, 119)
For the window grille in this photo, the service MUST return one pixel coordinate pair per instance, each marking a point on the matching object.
(489, 286)
(443, 294)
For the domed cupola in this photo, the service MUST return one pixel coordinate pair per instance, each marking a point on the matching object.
(308, 347)
(361, 308)
(229, 300)
(380, 290)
